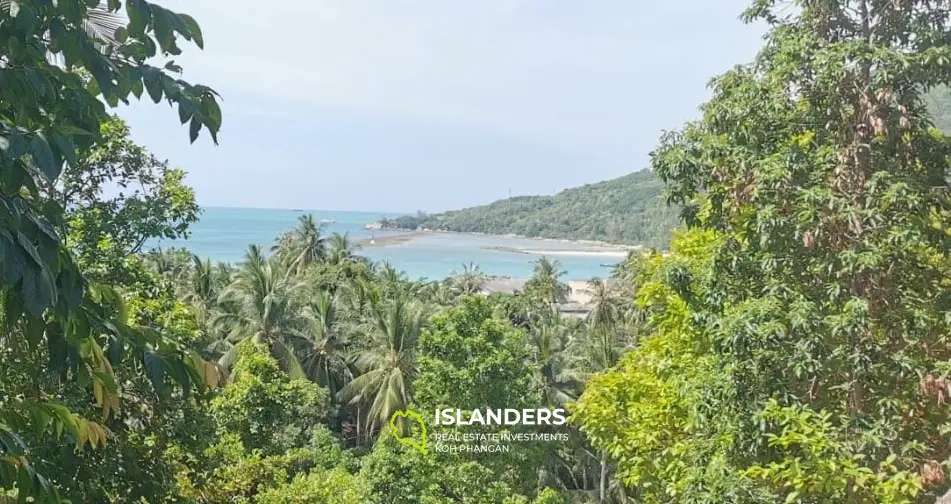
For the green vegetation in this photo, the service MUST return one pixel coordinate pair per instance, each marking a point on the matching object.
(132, 376)
(627, 210)
(799, 330)
(793, 345)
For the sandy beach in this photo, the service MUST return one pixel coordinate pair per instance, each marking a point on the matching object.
(584, 250)
(383, 241)
(578, 248)
(578, 253)
(579, 288)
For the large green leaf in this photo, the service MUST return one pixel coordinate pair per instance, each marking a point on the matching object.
(155, 370)
(37, 289)
(193, 30)
(43, 156)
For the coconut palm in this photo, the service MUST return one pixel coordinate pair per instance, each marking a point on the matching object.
(201, 292)
(386, 363)
(470, 281)
(201, 288)
(342, 248)
(545, 283)
(171, 263)
(260, 306)
(302, 246)
(394, 283)
(596, 350)
(440, 293)
(553, 379)
(322, 351)
(358, 294)
(605, 305)
(388, 275)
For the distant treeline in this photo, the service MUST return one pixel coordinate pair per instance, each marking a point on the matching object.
(629, 210)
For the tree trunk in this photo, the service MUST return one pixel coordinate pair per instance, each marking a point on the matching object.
(604, 476)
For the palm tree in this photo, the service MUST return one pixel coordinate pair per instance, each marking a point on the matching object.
(597, 349)
(630, 268)
(386, 363)
(260, 306)
(302, 246)
(440, 293)
(323, 355)
(359, 293)
(201, 292)
(389, 275)
(393, 283)
(170, 263)
(470, 281)
(605, 306)
(201, 288)
(554, 378)
(342, 248)
(545, 283)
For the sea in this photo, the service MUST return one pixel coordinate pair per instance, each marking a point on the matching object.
(223, 234)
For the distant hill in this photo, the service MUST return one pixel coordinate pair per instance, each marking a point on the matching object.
(629, 210)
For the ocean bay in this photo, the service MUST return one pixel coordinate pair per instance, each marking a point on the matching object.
(223, 234)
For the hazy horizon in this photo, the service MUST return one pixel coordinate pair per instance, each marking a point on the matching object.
(401, 212)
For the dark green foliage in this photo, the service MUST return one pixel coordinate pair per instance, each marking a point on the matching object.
(400, 475)
(62, 63)
(267, 411)
(470, 359)
(630, 209)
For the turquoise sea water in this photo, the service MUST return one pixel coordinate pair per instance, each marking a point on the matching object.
(223, 234)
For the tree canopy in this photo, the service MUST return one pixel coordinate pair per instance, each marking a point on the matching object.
(807, 310)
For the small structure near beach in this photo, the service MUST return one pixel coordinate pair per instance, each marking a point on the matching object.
(578, 300)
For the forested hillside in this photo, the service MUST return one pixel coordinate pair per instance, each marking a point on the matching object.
(628, 209)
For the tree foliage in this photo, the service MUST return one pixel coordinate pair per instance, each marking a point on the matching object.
(118, 197)
(58, 73)
(266, 410)
(817, 325)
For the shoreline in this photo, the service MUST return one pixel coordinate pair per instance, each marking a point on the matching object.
(384, 241)
(589, 248)
(613, 254)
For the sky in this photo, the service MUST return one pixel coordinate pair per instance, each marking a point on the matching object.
(406, 105)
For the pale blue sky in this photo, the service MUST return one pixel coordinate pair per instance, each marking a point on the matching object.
(399, 105)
